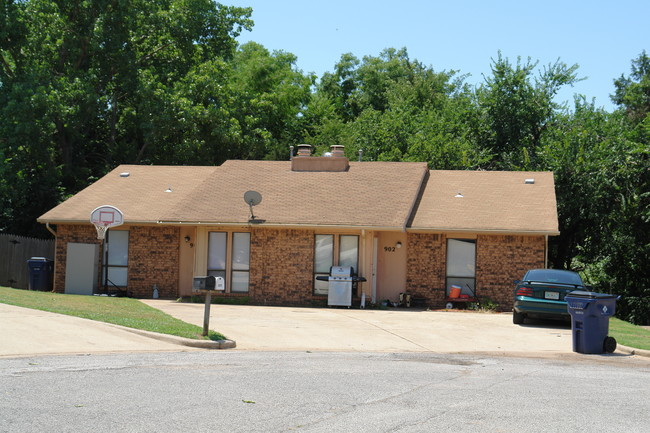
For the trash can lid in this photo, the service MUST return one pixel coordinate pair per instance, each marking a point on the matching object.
(589, 295)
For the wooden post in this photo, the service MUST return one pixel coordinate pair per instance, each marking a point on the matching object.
(206, 315)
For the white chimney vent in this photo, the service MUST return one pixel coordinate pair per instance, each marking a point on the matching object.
(530, 181)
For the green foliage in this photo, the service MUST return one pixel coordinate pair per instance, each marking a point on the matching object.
(85, 86)
(486, 305)
(633, 93)
(517, 108)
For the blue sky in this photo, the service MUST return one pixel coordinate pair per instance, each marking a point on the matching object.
(602, 37)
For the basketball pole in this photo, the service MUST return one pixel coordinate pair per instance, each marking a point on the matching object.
(105, 261)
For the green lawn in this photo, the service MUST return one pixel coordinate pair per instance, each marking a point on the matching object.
(629, 335)
(120, 311)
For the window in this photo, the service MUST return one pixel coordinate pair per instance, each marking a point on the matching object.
(345, 248)
(116, 259)
(237, 265)
(217, 248)
(241, 251)
(349, 251)
(461, 265)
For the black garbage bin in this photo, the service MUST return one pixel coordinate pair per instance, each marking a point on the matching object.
(40, 273)
(590, 313)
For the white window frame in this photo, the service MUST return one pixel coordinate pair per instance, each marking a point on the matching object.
(115, 263)
(321, 288)
(230, 263)
(460, 266)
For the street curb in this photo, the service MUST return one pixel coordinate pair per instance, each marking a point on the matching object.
(201, 344)
(633, 351)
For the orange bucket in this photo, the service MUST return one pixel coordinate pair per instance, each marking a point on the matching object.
(455, 292)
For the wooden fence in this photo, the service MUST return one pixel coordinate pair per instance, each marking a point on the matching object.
(14, 253)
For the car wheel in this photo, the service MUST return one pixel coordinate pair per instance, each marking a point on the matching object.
(518, 318)
(449, 306)
(609, 345)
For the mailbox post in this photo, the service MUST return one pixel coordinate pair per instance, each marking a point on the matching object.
(207, 285)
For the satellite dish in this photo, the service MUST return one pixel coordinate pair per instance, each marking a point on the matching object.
(252, 198)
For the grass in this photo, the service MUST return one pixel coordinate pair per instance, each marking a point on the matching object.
(120, 311)
(628, 334)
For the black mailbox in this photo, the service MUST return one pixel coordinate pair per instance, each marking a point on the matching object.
(208, 283)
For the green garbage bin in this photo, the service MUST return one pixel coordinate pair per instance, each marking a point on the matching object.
(40, 273)
(590, 313)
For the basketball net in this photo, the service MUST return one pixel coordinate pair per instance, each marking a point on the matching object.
(101, 231)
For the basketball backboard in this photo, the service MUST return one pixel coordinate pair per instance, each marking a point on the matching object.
(104, 217)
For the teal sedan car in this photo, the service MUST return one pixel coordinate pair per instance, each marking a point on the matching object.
(540, 294)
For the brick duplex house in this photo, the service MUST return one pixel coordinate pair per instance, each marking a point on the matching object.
(401, 226)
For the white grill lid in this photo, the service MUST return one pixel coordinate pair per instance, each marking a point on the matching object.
(341, 271)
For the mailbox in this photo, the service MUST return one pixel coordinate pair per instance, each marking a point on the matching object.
(208, 283)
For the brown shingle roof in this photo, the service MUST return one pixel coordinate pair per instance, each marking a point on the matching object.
(379, 195)
(141, 196)
(492, 201)
(369, 194)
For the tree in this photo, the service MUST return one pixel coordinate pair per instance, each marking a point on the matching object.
(518, 107)
(85, 86)
(391, 106)
(633, 93)
(270, 96)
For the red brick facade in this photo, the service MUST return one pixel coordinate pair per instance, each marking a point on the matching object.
(85, 234)
(153, 258)
(500, 259)
(282, 263)
(425, 267)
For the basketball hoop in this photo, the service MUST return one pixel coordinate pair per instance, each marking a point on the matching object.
(105, 217)
(101, 231)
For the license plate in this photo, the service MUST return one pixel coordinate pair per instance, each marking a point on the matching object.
(552, 295)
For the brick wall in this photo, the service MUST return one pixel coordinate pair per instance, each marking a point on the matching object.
(502, 259)
(85, 234)
(153, 259)
(425, 267)
(499, 261)
(282, 263)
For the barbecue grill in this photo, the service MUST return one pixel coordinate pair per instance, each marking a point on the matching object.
(340, 281)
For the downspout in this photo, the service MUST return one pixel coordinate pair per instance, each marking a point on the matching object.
(546, 252)
(50, 229)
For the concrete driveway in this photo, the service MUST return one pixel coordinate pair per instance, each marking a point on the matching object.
(393, 330)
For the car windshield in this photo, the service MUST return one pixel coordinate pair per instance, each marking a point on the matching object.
(554, 276)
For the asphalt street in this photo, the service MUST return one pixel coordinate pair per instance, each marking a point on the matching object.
(262, 391)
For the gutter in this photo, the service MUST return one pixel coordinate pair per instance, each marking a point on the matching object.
(283, 226)
(482, 231)
(242, 224)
